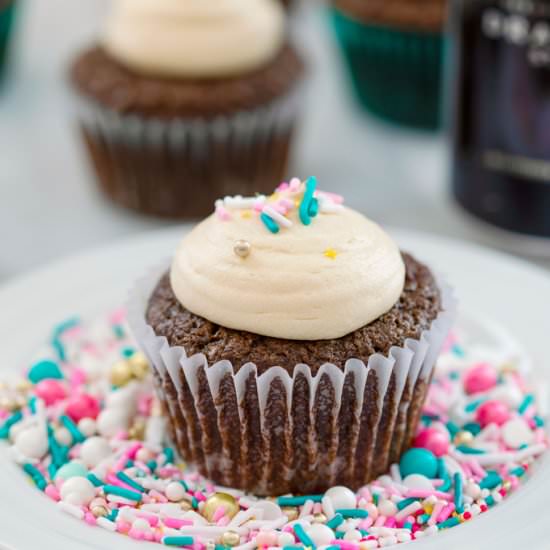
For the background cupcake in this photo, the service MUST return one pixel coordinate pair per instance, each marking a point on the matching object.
(183, 101)
(393, 49)
(292, 343)
(6, 16)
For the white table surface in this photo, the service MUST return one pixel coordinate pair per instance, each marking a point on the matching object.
(49, 205)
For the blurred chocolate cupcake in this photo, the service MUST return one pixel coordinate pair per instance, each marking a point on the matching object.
(183, 101)
(7, 8)
(393, 50)
(292, 342)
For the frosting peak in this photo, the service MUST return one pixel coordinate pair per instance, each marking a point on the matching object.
(195, 38)
(313, 281)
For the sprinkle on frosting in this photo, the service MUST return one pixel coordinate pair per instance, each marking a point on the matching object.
(100, 452)
(331, 253)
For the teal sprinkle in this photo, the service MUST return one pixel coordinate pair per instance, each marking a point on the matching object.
(66, 325)
(452, 428)
(490, 481)
(32, 404)
(353, 512)
(458, 350)
(118, 332)
(129, 464)
(77, 435)
(364, 533)
(405, 502)
(121, 492)
(375, 498)
(269, 223)
(333, 547)
(451, 522)
(8, 423)
(408, 525)
(426, 420)
(113, 515)
(444, 475)
(128, 352)
(194, 503)
(423, 518)
(169, 454)
(303, 536)
(220, 547)
(313, 209)
(339, 534)
(539, 422)
(490, 500)
(469, 450)
(96, 482)
(52, 470)
(459, 504)
(185, 486)
(518, 472)
(305, 216)
(472, 427)
(335, 521)
(44, 369)
(152, 465)
(472, 406)
(59, 349)
(526, 403)
(454, 375)
(178, 541)
(129, 481)
(523, 446)
(297, 547)
(36, 475)
(298, 501)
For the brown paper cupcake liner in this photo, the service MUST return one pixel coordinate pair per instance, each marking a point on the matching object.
(179, 167)
(277, 433)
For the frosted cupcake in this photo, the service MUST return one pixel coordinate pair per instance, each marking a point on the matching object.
(185, 100)
(292, 341)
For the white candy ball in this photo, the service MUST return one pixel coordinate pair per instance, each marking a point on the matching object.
(271, 511)
(341, 497)
(141, 524)
(94, 450)
(87, 426)
(144, 455)
(508, 393)
(472, 490)
(285, 539)
(63, 436)
(353, 535)
(516, 432)
(418, 481)
(32, 442)
(387, 508)
(78, 491)
(174, 491)
(320, 534)
(112, 421)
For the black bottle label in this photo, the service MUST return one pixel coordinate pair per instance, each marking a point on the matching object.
(501, 133)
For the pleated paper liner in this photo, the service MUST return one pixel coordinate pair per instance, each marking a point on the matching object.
(278, 433)
(396, 74)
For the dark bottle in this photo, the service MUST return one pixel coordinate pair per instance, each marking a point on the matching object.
(500, 88)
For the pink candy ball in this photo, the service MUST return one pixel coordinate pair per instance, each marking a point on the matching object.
(50, 390)
(266, 538)
(82, 406)
(479, 378)
(492, 412)
(436, 441)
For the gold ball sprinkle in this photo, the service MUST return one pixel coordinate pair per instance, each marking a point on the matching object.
(185, 506)
(100, 511)
(23, 385)
(290, 512)
(139, 365)
(7, 404)
(137, 429)
(319, 518)
(230, 538)
(230, 505)
(121, 373)
(242, 248)
(463, 438)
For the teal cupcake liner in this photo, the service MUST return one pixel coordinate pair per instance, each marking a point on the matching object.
(6, 18)
(396, 74)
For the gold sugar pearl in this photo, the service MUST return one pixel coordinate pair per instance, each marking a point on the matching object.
(185, 506)
(100, 511)
(121, 373)
(230, 538)
(242, 248)
(8, 404)
(23, 385)
(229, 503)
(463, 438)
(137, 429)
(319, 518)
(139, 365)
(290, 512)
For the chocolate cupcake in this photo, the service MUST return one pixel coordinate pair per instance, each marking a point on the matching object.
(394, 50)
(292, 342)
(183, 101)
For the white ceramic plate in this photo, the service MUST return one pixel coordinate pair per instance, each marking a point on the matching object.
(496, 286)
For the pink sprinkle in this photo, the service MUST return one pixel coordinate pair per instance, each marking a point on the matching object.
(78, 377)
(120, 464)
(337, 199)
(424, 493)
(344, 544)
(317, 508)
(390, 522)
(132, 451)
(380, 521)
(123, 526)
(365, 493)
(199, 496)
(198, 546)
(282, 187)
(222, 522)
(113, 480)
(446, 512)
(159, 497)
(295, 184)
(150, 536)
(476, 468)
(136, 534)
(435, 513)
(52, 492)
(90, 518)
(118, 316)
(223, 214)
(176, 523)
(152, 519)
(144, 405)
(366, 523)
(218, 513)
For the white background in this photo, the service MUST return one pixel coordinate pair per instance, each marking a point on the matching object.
(49, 205)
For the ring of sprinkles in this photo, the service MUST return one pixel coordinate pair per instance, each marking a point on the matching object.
(87, 430)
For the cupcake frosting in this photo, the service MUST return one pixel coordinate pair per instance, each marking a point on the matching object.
(265, 266)
(194, 38)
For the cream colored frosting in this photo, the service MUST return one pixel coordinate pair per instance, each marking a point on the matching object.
(312, 282)
(194, 38)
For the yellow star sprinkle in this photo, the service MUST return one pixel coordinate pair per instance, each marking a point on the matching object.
(330, 253)
(246, 214)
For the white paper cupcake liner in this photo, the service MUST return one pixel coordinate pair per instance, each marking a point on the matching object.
(178, 167)
(277, 433)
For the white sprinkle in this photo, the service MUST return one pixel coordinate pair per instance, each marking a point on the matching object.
(248, 546)
(307, 508)
(541, 399)
(71, 509)
(328, 508)
(395, 473)
(268, 524)
(408, 510)
(240, 203)
(279, 218)
(387, 541)
(119, 500)
(106, 524)
(244, 515)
